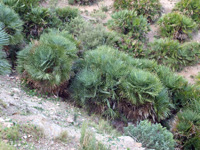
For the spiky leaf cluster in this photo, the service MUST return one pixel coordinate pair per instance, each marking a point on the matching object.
(177, 26)
(190, 8)
(112, 80)
(4, 40)
(91, 36)
(46, 64)
(37, 19)
(129, 23)
(66, 13)
(151, 9)
(173, 54)
(12, 24)
(187, 126)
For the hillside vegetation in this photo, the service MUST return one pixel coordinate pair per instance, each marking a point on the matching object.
(102, 62)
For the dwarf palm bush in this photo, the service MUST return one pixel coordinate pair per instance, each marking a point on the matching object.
(129, 23)
(109, 81)
(131, 46)
(66, 14)
(4, 40)
(46, 64)
(189, 8)
(21, 6)
(152, 136)
(176, 25)
(12, 24)
(173, 54)
(37, 19)
(91, 36)
(166, 51)
(133, 29)
(149, 9)
(187, 127)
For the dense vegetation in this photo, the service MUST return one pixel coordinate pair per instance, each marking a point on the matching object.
(177, 26)
(149, 9)
(59, 51)
(12, 24)
(4, 40)
(147, 133)
(173, 54)
(46, 64)
(190, 8)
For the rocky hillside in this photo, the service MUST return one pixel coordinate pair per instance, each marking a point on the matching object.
(58, 122)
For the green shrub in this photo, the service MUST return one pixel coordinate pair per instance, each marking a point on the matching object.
(21, 6)
(109, 81)
(152, 136)
(4, 40)
(179, 91)
(171, 53)
(127, 22)
(187, 127)
(67, 13)
(151, 9)
(37, 19)
(12, 23)
(177, 26)
(91, 36)
(189, 8)
(46, 64)
(131, 46)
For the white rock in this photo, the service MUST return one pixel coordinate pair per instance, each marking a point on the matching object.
(16, 90)
(70, 119)
(25, 137)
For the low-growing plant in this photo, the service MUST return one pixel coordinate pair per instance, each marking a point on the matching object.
(152, 136)
(109, 82)
(46, 64)
(4, 40)
(131, 46)
(63, 137)
(177, 26)
(149, 9)
(37, 19)
(91, 36)
(173, 54)
(189, 8)
(12, 24)
(129, 23)
(66, 14)
(21, 6)
(186, 128)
